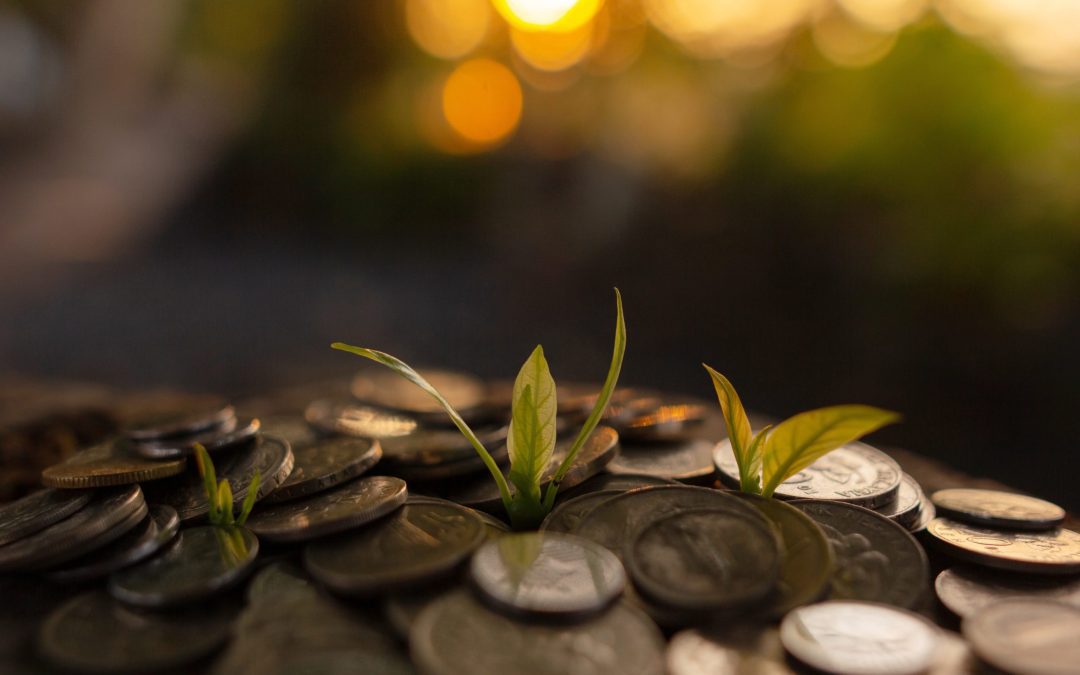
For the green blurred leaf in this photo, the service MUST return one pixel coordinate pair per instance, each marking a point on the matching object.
(249, 498)
(209, 478)
(225, 503)
(747, 449)
(531, 440)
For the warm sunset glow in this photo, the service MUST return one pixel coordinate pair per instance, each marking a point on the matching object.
(884, 15)
(846, 43)
(448, 29)
(550, 51)
(481, 101)
(550, 15)
(714, 28)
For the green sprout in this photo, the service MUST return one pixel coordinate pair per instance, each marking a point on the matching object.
(531, 438)
(772, 455)
(220, 496)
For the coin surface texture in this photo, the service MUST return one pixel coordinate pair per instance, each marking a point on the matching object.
(419, 542)
(230, 434)
(457, 635)
(180, 422)
(733, 651)
(994, 508)
(387, 389)
(351, 505)
(202, 562)
(1053, 552)
(566, 517)
(966, 590)
(1034, 637)
(855, 473)
(324, 464)
(861, 638)
(337, 416)
(547, 574)
(907, 507)
(690, 461)
(876, 559)
(108, 463)
(38, 510)
(155, 530)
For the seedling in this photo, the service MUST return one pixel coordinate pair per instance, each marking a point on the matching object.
(220, 496)
(772, 455)
(531, 438)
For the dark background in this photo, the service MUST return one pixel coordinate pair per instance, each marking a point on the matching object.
(205, 195)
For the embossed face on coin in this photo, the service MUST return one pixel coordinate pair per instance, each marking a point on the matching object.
(1053, 552)
(993, 508)
(1027, 636)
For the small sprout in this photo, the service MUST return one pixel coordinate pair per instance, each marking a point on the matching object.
(219, 496)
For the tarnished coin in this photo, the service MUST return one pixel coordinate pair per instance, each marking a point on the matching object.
(154, 531)
(967, 590)
(494, 527)
(219, 438)
(1034, 637)
(907, 507)
(665, 423)
(568, 515)
(860, 638)
(613, 481)
(735, 650)
(271, 457)
(994, 508)
(876, 559)
(807, 560)
(468, 465)
(854, 473)
(704, 559)
(106, 464)
(343, 508)
(689, 462)
(547, 574)
(459, 636)
(387, 389)
(94, 633)
(179, 422)
(419, 542)
(202, 562)
(38, 510)
(96, 524)
(1053, 552)
(324, 464)
(431, 447)
(336, 416)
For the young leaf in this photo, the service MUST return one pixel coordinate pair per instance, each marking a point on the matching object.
(796, 442)
(531, 438)
(225, 503)
(752, 482)
(249, 498)
(747, 452)
(209, 477)
(403, 369)
(601, 403)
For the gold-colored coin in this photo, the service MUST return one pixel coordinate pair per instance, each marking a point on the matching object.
(108, 463)
(1053, 552)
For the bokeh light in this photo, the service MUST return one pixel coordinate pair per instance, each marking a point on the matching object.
(448, 29)
(552, 51)
(716, 28)
(884, 15)
(847, 43)
(482, 101)
(551, 15)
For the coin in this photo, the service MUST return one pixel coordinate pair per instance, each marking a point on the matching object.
(547, 574)
(859, 637)
(733, 650)
(346, 507)
(179, 422)
(38, 510)
(471, 463)
(271, 457)
(335, 416)
(927, 513)
(994, 508)
(153, 532)
(691, 461)
(419, 542)
(907, 507)
(404, 608)
(324, 464)
(665, 423)
(1053, 552)
(568, 515)
(967, 590)
(389, 390)
(230, 434)
(427, 447)
(1036, 637)
(202, 562)
(458, 636)
(612, 481)
(855, 473)
(278, 580)
(807, 560)
(876, 559)
(92, 526)
(107, 464)
(92, 632)
(704, 559)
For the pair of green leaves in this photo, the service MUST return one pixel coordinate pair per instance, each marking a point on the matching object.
(772, 455)
(531, 439)
(219, 495)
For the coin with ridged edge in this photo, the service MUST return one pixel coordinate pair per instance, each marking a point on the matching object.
(227, 436)
(325, 464)
(343, 508)
(1034, 637)
(154, 531)
(106, 464)
(38, 510)
(994, 508)
(967, 590)
(1053, 552)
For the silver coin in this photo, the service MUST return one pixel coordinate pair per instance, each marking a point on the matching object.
(927, 513)
(271, 457)
(324, 464)
(226, 436)
(1053, 552)
(967, 590)
(566, 516)
(94, 633)
(854, 473)
(876, 559)
(691, 461)
(93, 526)
(337, 416)
(418, 543)
(1034, 637)
(547, 574)
(732, 651)
(435, 447)
(704, 559)
(994, 508)
(907, 507)
(201, 562)
(154, 531)
(612, 481)
(665, 423)
(459, 636)
(179, 422)
(860, 638)
(38, 510)
(457, 468)
(343, 508)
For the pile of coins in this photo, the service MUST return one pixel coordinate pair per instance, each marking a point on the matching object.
(378, 545)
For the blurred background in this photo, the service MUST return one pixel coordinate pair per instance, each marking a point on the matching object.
(830, 201)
